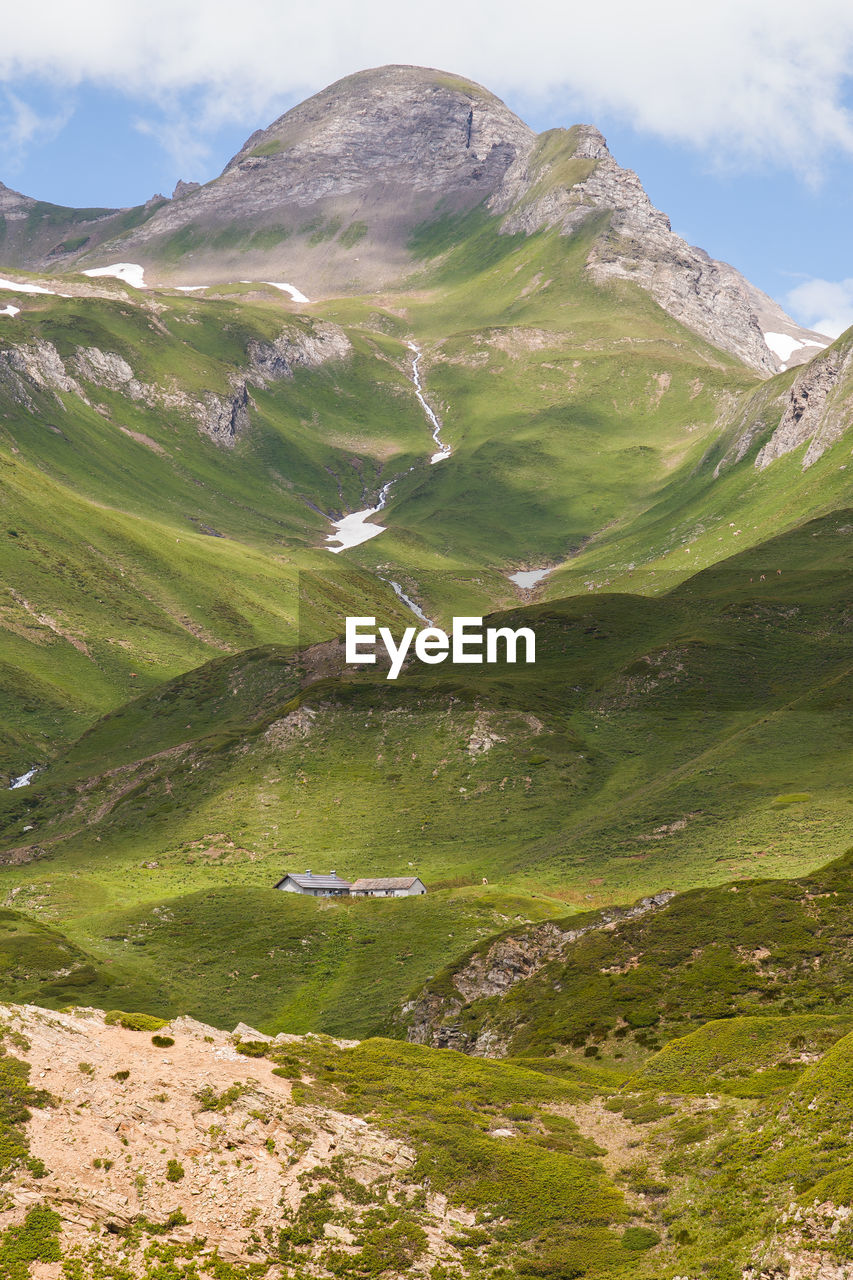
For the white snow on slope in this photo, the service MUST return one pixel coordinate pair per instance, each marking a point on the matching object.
(14, 287)
(24, 780)
(784, 345)
(191, 288)
(528, 578)
(10, 311)
(295, 294)
(353, 530)
(130, 272)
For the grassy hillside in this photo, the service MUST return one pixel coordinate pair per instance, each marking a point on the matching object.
(723, 1150)
(135, 546)
(585, 425)
(753, 948)
(666, 742)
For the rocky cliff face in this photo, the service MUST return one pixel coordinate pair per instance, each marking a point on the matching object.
(187, 1142)
(814, 411)
(331, 191)
(573, 176)
(817, 411)
(432, 1017)
(29, 368)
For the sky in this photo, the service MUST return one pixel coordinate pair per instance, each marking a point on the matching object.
(737, 115)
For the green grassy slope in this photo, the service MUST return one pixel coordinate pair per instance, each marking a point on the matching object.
(754, 948)
(134, 547)
(657, 742)
(585, 423)
(649, 744)
(721, 504)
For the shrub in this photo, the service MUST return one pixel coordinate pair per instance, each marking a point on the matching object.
(133, 1021)
(290, 1072)
(162, 1042)
(251, 1048)
(174, 1171)
(638, 1239)
(212, 1101)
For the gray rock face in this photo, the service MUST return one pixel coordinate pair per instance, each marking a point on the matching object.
(380, 150)
(183, 189)
(29, 368)
(35, 366)
(509, 960)
(329, 196)
(814, 412)
(226, 418)
(294, 349)
(638, 245)
(107, 369)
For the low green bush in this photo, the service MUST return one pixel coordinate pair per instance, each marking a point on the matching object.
(133, 1021)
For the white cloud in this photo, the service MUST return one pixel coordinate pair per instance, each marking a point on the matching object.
(21, 125)
(825, 305)
(744, 80)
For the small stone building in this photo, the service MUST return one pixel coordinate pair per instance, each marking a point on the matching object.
(317, 886)
(389, 887)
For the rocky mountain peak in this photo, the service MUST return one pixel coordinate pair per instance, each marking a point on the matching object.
(343, 179)
(591, 143)
(423, 117)
(329, 195)
(570, 175)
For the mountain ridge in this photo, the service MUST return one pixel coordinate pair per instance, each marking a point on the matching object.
(331, 193)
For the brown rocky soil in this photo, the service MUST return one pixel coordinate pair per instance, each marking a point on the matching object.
(107, 1142)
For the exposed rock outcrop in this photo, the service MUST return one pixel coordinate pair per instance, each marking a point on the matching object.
(334, 190)
(28, 368)
(38, 364)
(432, 1016)
(107, 369)
(189, 1134)
(579, 178)
(331, 192)
(298, 349)
(226, 418)
(813, 413)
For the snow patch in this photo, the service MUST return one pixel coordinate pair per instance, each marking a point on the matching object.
(15, 287)
(24, 780)
(296, 295)
(129, 272)
(784, 345)
(353, 530)
(10, 311)
(190, 288)
(527, 578)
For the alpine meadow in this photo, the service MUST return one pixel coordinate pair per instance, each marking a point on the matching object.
(407, 365)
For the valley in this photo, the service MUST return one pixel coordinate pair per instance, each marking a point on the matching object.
(612, 1038)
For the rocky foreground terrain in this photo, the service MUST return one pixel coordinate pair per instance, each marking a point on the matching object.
(176, 1138)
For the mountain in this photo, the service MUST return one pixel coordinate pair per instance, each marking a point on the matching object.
(612, 1040)
(176, 461)
(331, 194)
